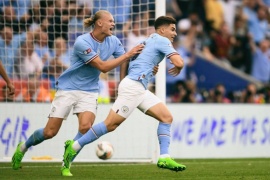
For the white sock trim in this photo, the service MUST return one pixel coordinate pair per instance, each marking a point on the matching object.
(164, 155)
(23, 148)
(76, 146)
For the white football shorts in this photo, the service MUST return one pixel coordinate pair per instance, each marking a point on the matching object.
(131, 95)
(80, 101)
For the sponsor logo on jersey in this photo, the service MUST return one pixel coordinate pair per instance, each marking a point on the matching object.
(87, 51)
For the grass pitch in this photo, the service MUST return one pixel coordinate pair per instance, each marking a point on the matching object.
(201, 169)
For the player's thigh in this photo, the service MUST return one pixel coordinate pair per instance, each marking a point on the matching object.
(113, 120)
(86, 109)
(160, 112)
(86, 120)
(152, 106)
(62, 104)
(130, 94)
(87, 102)
(149, 101)
(124, 106)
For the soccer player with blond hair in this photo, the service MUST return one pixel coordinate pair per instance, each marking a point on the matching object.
(77, 87)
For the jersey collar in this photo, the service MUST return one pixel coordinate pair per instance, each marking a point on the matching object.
(92, 35)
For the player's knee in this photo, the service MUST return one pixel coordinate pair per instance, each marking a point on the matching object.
(167, 118)
(48, 134)
(84, 128)
(112, 124)
(112, 127)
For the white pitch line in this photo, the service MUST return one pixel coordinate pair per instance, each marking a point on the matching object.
(248, 162)
(78, 165)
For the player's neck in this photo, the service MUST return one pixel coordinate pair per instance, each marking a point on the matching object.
(159, 32)
(98, 35)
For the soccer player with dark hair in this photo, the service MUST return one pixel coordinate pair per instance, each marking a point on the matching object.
(77, 87)
(133, 93)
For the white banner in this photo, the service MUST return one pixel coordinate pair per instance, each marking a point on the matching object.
(220, 131)
(134, 139)
(198, 131)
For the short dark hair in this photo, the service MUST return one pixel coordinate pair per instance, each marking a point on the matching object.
(164, 20)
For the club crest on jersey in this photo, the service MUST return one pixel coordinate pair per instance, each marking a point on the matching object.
(124, 109)
(87, 51)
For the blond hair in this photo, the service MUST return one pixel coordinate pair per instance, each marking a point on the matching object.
(92, 20)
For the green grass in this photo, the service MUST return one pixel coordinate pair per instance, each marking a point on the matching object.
(201, 169)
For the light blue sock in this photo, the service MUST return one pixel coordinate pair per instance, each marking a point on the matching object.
(93, 134)
(164, 137)
(36, 138)
(78, 136)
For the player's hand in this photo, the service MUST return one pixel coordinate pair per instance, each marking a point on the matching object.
(136, 50)
(155, 70)
(174, 71)
(11, 89)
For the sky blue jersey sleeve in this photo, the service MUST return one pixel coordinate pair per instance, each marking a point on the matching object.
(119, 48)
(164, 46)
(84, 50)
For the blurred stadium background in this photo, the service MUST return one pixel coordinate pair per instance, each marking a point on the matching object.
(225, 45)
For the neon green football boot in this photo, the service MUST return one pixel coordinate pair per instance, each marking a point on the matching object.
(169, 163)
(69, 155)
(17, 157)
(65, 171)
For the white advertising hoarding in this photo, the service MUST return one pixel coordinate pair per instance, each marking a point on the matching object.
(198, 131)
(134, 139)
(220, 131)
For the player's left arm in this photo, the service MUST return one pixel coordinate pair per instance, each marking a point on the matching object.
(178, 63)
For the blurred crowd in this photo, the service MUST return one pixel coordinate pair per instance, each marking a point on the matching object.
(37, 37)
(233, 32)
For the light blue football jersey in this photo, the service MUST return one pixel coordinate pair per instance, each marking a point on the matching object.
(81, 75)
(156, 48)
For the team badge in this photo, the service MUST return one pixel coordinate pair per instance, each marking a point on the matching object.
(124, 109)
(87, 51)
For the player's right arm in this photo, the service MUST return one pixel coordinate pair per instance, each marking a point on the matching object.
(105, 66)
(165, 46)
(178, 63)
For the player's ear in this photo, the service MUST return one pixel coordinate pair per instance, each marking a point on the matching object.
(162, 29)
(99, 23)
